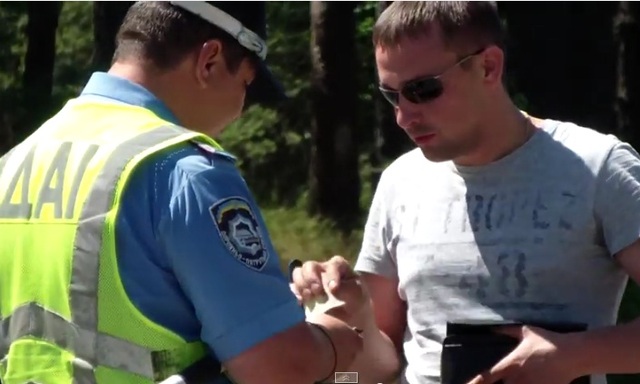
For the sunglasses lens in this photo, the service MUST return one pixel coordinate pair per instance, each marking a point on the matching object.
(391, 96)
(421, 91)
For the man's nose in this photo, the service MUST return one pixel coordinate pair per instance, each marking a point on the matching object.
(407, 114)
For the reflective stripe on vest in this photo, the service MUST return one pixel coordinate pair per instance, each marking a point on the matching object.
(81, 336)
(33, 320)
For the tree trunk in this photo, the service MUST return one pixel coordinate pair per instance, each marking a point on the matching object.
(335, 183)
(40, 58)
(626, 31)
(562, 56)
(107, 18)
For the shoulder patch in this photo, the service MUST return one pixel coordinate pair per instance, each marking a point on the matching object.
(240, 232)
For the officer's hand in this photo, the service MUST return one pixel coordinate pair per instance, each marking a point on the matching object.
(315, 281)
(347, 341)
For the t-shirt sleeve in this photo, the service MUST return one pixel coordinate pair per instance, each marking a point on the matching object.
(617, 199)
(377, 254)
(222, 257)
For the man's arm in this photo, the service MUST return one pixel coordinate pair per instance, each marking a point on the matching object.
(222, 257)
(383, 322)
(383, 333)
(616, 349)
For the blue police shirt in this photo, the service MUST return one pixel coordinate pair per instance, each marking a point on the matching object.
(193, 250)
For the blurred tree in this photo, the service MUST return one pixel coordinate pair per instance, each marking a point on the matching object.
(37, 78)
(107, 17)
(626, 32)
(561, 56)
(272, 144)
(74, 50)
(13, 18)
(334, 181)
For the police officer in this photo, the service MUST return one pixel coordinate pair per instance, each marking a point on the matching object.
(130, 246)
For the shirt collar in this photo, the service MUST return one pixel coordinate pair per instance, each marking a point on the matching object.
(102, 85)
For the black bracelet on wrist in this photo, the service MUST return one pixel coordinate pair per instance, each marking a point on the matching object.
(335, 353)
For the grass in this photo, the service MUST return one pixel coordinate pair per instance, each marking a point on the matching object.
(295, 235)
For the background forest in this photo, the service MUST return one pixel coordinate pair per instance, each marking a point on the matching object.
(566, 60)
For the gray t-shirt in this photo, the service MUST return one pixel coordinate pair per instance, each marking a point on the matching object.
(529, 237)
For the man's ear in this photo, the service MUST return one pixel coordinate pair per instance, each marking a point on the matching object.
(493, 65)
(208, 62)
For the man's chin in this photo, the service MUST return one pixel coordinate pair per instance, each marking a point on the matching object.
(436, 156)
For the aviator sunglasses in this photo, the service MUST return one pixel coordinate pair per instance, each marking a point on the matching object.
(424, 89)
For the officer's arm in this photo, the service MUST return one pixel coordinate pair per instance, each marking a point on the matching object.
(223, 259)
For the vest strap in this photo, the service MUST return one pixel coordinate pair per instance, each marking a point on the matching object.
(96, 349)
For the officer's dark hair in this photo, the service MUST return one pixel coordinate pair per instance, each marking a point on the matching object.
(162, 34)
(464, 24)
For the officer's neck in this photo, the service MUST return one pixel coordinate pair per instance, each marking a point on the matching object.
(165, 85)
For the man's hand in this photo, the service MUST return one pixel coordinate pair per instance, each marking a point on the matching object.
(314, 281)
(541, 357)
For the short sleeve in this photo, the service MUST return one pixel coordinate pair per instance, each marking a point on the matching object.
(617, 199)
(219, 249)
(376, 254)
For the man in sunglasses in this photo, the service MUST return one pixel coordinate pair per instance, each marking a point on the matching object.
(497, 217)
(131, 249)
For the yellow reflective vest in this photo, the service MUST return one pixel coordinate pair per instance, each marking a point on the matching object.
(64, 315)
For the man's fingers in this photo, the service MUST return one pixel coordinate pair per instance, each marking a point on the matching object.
(312, 275)
(313, 280)
(515, 331)
(498, 372)
(297, 294)
(335, 272)
(307, 281)
(490, 377)
(350, 291)
(484, 378)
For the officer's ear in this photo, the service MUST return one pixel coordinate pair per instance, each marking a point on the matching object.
(208, 62)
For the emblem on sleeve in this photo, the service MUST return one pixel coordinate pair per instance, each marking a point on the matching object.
(240, 232)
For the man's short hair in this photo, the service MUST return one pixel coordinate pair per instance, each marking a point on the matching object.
(464, 24)
(162, 34)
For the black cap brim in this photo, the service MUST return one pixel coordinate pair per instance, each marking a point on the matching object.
(265, 89)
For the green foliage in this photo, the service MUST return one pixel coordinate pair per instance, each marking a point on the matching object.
(74, 49)
(273, 146)
(12, 51)
(295, 235)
